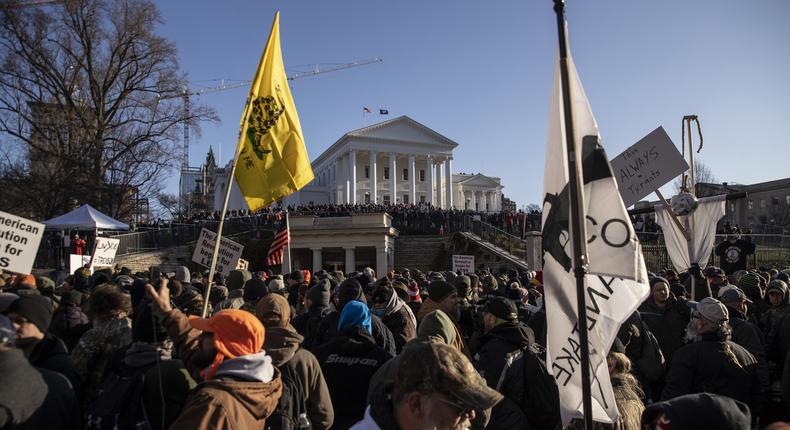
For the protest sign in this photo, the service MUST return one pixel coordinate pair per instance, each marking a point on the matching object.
(646, 166)
(76, 261)
(19, 239)
(104, 252)
(243, 264)
(229, 252)
(464, 263)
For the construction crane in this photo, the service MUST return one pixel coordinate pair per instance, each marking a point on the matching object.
(15, 4)
(186, 93)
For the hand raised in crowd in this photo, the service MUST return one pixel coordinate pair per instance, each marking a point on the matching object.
(161, 298)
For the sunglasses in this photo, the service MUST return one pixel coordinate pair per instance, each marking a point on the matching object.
(462, 411)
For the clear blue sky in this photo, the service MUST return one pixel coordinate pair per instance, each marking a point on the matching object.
(480, 73)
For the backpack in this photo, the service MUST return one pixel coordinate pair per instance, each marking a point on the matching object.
(119, 404)
(291, 403)
(652, 362)
(541, 399)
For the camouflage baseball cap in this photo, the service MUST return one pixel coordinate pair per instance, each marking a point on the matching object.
(431, 367)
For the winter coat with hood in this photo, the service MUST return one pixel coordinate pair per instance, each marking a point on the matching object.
(237, 397)
(348, 362)
(95, 348)
(771, 318)
(667, 324)
(704, 366)
(401, 322)
(235, 284)
(32, 398)
(347, 291)
(283, 344)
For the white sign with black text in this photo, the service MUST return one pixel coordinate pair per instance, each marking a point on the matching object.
(464, 263)
(104, 252)
(19, 240)
(647, 166)
(229, 252)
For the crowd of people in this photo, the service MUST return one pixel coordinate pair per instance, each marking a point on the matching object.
(421, 218)
(400, 350)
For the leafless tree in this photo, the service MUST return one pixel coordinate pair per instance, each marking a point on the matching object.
(702, 173)
(86, 90)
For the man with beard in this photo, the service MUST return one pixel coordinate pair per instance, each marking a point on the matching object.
(666, 316)
(436, 388)
(444, 297)
(712, 362)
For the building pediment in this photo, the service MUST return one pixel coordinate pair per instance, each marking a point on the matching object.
(402, 132)
(477, 180)
(402, 129)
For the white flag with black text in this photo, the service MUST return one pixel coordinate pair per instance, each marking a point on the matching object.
(617, 278)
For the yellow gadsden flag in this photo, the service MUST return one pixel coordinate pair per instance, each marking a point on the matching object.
(273, 160)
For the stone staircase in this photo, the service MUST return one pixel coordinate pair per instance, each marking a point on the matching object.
(423, 252)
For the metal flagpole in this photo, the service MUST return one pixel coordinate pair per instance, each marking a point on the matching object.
(231, 174)
(288, 231)
(578, 230)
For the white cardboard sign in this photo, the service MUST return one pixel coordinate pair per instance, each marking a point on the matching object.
(229, 252)
(104, 252)
(76, 261)
(464, 263)
(647, 166)
(19, 240)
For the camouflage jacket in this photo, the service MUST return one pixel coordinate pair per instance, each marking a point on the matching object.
(95, 348)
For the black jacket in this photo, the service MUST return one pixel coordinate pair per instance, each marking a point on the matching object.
(381, 334)
(526, 385)
(69, 323)
(348, 361)
(703, 366)
(32, 398)
(51, 354)
(668, 324)
(746, 335)
(308, 326)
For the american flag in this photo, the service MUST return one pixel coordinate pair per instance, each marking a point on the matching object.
(281, 240)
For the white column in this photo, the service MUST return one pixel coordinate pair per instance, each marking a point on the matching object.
(489, 201)
(344, 179)
(317, 263)
(373, 178)
(381, 261)
(393, 178)
(473, 202)
(350, 260)
(498, 199)
(429, 172)
(352, 177)
(336, 171)
(412, 181)
(439, 193)
(448, 174)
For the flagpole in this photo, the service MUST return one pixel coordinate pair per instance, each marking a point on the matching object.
(231, 175)
(578, 230)
(288, 232)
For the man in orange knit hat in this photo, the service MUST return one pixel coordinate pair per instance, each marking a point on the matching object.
(240, 387)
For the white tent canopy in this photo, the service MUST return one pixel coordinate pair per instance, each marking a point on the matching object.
(84, 218)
